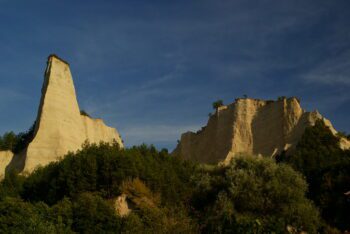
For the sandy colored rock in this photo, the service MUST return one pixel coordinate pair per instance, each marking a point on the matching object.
(121, 206)
(60, 127)
(249, 126)
(5, 159)
(344, 144)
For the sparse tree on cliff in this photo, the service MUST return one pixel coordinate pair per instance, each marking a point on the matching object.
(8, 141)
(217, 104)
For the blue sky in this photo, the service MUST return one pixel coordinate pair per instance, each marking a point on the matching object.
(153, 68)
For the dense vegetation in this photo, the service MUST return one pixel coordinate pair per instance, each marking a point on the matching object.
(253, 195)
(168, 195)
(77, 194)
(327, 171)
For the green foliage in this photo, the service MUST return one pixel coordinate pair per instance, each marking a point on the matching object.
(8, 141)
(87, 214)
(81, 188)
(318, 148)
(103, 168)
(24, 138)
(150, 216)
(94, 215)
(17, 216)
(217, 104)
(253, 196)
(16, 143)
(327, 170)
(11, 185)
(168, 195)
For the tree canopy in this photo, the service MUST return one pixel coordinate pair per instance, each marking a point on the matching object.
(254, 195)
(217, 104)
(169, 195)
(327, 171)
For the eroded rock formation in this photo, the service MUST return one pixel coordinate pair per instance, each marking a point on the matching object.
(122, 206)
(60, 127)
(250, 126)
(5, 159)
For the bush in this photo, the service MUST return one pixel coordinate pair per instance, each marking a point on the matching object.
(253, 195)
(17, 216)
(91, 214)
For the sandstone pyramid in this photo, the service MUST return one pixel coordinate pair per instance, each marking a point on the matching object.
(250, 126)
(60, 127)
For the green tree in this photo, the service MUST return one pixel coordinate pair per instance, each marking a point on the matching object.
(24, 138)
(16, 143)
(327, 171)
(217, 104)
(103, 168)
(8, 141)
(17, 216)
(253, 195)
(94, 215)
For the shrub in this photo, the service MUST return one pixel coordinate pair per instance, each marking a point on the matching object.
(253, 195)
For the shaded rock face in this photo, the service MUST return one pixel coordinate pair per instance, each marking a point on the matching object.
(60, 127)
(249, 126)
(5, 159)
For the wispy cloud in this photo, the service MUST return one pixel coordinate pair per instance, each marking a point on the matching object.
(7, 95)
(154, 68)
(153, 134)
(150, 85)
(332, 71)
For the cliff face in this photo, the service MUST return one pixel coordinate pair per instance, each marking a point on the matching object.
(249, 126)
(5, 159)
(59, 126)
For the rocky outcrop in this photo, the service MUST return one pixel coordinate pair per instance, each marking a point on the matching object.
(60, 127)
(122, 206)
(5, 159)
(250, 126)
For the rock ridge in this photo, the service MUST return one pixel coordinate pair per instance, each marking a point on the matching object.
(250, 126)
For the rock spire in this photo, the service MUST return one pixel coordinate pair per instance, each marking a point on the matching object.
(60, 127)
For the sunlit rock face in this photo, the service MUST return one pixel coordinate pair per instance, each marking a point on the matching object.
(122, 206)
(249, 126)
(60, 127)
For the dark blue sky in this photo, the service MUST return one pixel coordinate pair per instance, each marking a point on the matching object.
(153, 68)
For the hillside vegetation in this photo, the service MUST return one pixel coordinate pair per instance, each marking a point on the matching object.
(168, 195)
(327, 171)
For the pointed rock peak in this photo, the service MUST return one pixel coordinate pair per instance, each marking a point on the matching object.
(54, 56)
(60, 126)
